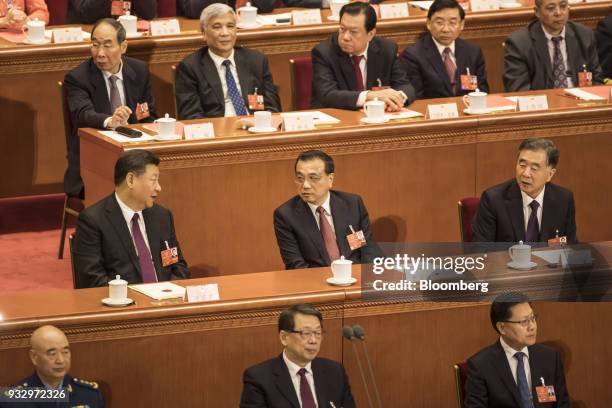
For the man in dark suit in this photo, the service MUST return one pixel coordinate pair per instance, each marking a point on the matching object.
(312, 228)
(106, 91)
(50, 355)
(436, 63)
(603, 35)
(126, 233)
(550, 52)
(297, 378)
(354, 66)
(222, 79)
(528, 208)
(90, 11)
(512, 372)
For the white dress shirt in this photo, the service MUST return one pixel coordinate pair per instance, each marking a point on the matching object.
(363, 65)
(510, 352)
(563, 46)
(295, 378)
(128, 214)
(326, 211)
(441, 49)
(218, 60)
(527, 209)
(120, 87)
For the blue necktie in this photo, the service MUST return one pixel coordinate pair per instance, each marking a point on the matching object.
(232, 90)
(521, 382)
(533, 227)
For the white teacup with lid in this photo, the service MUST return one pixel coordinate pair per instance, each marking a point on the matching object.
(247, 16)
(476, 101)
(375, 110)
(36, 31)
(117, 293)
(130, 23)
(342, 269)
(167, 127)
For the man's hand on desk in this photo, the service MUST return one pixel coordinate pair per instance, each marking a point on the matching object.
(13, 17)
(394, 100)
(120, 117)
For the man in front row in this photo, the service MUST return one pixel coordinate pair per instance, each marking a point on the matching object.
(104, 92)
(528, 208)
(319, 225)
(354, 66)
(515, 372)
(550, 52)
(126, 233)
(50, 355)
(297, 377)
(223, 79)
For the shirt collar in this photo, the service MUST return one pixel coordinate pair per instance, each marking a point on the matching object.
(294, 368)
(218, 60)
(510, 352)
(527, 199)
(325, 205)
(550, 36)
(364, 53)
(128, 213)
(441, 47)
(119, 73)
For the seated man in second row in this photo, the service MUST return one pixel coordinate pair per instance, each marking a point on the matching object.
(221, 78)
(355, 66)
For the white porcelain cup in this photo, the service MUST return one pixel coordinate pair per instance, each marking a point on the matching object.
(476, 101)
(117, 289)
(36, 31)
(335, 6)
(375, 110)
(520, 254)
(129, 22)
(263, 119)
(341, 268)
(247, 15)
(167, 126)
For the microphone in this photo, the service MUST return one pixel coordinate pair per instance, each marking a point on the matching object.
(359, 332)
(349, 334)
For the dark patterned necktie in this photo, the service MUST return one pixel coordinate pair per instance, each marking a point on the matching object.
(521, 382)
(559, 70)
(358, 74)
(451, 68)
(305, 391)
(232, 90)
(533, 227)
(147, 270)
(328, 236)
(115, 98)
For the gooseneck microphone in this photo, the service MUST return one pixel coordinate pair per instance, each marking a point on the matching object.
(359, 332)
(349, 334)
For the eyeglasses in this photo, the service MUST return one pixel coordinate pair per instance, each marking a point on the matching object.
(312, 178)
(451, 24)
(306, 334)
(525, 322)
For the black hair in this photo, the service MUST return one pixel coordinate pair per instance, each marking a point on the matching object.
(501, 308)
(119, 29)
(317, 154)
(286, 320)
(134, 161)
(535, 144)
(358, 7)
(439, 5)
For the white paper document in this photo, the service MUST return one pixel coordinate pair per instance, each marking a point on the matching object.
(203, 293)
(425, 5)
(124, 139)
(84, 34)
(566, 256)
(584, 95)
(160, 290)
(404, 114)
(322, 118)
(271, 19)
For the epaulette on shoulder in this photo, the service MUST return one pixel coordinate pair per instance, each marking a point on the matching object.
(89, 384)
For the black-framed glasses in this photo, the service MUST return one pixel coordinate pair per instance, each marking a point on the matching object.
(306, 334)
(525, 322)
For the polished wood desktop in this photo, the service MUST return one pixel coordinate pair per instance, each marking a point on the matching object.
(180, 354)
(410, 173)
(32, 133)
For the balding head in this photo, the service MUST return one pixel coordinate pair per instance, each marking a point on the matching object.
(50, 354)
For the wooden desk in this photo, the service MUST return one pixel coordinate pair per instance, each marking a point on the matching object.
(410, 174)
(29, 76)
(194, 354)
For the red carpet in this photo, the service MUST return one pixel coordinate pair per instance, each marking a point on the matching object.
(29, 262)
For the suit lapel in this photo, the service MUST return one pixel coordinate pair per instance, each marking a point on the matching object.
(309, 224)
(462, 63)
(339, 212)
(284, 383)
(503, 369)
(346, 65)
(541, 50)
(514, 206)
(435, 59)
(535, 367)
(374, 67)
(548, 229)
(319, 376)
(153, 236)
(212, 76)
(129, 79)
(116, 219)
(100, 93)
(573, 53)
(244, 76)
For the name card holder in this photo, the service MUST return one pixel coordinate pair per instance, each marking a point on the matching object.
(199, 131)
(393, 10)
(165, 27)
(293, 122)
(442, 111)
(532, 103)
(203, 293)
(67, 35)
(306, 17)
(484, 5)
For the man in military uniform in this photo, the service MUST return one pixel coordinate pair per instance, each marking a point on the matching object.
(50, 355)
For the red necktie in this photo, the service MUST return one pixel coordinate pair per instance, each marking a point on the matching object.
(358, 74)
(305, 391)
(451, 68)
(328, 236)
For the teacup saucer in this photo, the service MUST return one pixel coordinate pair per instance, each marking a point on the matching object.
(468, 111)
(117, 303)
(373, 121)
(249, 27)
(30, 42)
(333, 281)
(253, 129)
(167, 138)
(521, 267)
(333, 18)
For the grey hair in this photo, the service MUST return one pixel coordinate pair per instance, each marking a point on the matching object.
(212, 11)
